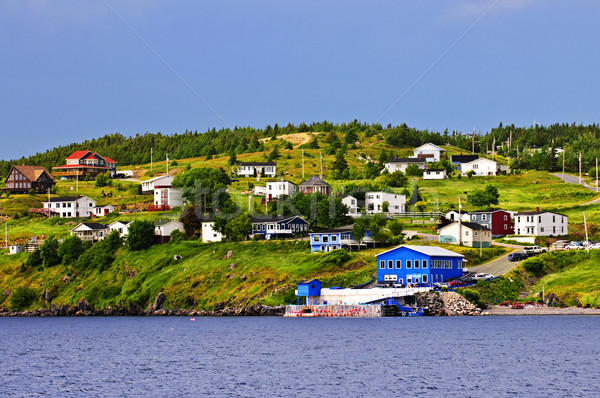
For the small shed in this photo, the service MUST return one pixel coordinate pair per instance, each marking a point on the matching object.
(15, 249)
(309, 289)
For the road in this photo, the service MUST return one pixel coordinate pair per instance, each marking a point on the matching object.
(569, 179)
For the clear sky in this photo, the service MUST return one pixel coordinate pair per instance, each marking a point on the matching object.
(78, 69)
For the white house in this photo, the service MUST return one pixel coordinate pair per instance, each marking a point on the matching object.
(71, 206)
(166, 197)
(430, 152)
(471, 234)
(148, 185)
(121, 226)
(481, 167)
(101, 211)
(434, 174)
(15, 249)
(89, 231)
(453, 216)
(352, 203)
(165, 228)
(249, 169)
(276, 189)
(541, 223)
(209, 234)
(401, 164)
(374, 202)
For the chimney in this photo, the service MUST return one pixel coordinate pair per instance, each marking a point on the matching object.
(537, 209)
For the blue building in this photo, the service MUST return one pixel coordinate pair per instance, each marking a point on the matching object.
(339, 238)
(309, 289)
(273, 227)
(418, 264)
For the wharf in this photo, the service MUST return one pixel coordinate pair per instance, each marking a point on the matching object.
(334, 311)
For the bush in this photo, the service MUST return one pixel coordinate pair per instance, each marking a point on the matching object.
(22, 298)
(534, 266)
(473, 297)
(334, 257)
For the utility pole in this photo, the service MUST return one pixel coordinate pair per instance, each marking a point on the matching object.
(302, 163)
(167, 164)
(586, 234)
(564, 164)
(473, 141)
(459, 222)
(580, 180)
(596, 174)
(150, 160)
(321, 156)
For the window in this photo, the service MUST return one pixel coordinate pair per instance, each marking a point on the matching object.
(390, 264)
(334, 238)
(505, 217)
(474, 233)
(316, 238)
(398, 264)
(505, 226)
(424, 278)
(539, 218)
(483, 217)
(466, 233)
(542, 229)
(408, 264)
(382, 264)
(325, 239)
(417, 265)
(424, 265)
(473, 217)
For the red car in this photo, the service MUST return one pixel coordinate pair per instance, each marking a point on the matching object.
(456, 283)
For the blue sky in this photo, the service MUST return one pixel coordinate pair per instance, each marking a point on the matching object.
(73, 70)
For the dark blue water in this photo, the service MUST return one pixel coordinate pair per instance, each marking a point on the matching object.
(286, 357)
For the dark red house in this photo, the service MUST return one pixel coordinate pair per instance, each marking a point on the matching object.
(499, 221)
(24, 179)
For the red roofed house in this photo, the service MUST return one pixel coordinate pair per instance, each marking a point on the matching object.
(22, 179)
(84, 163)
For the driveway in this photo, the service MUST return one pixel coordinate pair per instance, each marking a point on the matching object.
(569, 179)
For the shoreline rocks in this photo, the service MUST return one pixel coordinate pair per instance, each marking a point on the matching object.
(446, 304)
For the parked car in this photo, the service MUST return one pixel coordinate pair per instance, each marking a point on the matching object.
(595, 245)
(517, 256)
(533, 250)
(574, 246)
(469, 279)
(483, 276)
(456, 283)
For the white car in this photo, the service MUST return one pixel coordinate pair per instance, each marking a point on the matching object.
(483, 276)
(595, 245)
(574, 246)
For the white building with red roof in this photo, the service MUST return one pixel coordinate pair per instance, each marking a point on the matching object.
(85, 163)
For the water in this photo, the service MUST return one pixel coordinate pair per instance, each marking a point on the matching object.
(287, 357)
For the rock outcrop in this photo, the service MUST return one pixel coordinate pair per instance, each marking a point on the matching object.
(446, 303)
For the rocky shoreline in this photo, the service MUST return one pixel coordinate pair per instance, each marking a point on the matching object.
(447, 304)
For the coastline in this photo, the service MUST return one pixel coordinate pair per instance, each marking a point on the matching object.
(497, 310)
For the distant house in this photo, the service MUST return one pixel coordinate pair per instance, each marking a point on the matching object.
(400, 164)
(15, 249)
(408, 265)
(434, 174)
(541, 223)
(338, 238)
(430, 152)
(459, 160)
(277, 189)
(92, 232)
(22, 179)
(121, 226)
(209, 234)
(310, 290)
(164, 229)
(481, 167)
(259, 190)
(274, 227)
(250, 169)
(498, 221)
(81, 164)
(467, 234)
(70, 206)
(148, 185)
(101, 211)
(315, 185)
(374, 202)
(166, 197)
(453, 215)
(352, 203)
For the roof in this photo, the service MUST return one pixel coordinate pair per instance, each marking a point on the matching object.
(428, 250)
(80, 166)
(408, 160)
(481, 160)
(429, 144)
(157, 178)
(534, 213)
(78, 155)
(66, 199)
(257, 163)
(471, 225)
(266, 218)
(159, 223)
(314, 180)
(346, 228)
(109, 160)
(120, 222)
(430, 170)
(488, 211)
(280, 181)
(100, 207)
(32, 173)
(463, 158)
(92, 225)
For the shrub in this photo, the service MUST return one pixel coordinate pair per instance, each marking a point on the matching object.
(334, 257)
(534, 266)
(473, 297)
(22, 298)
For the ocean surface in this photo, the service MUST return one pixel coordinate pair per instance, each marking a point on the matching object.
(542, 356)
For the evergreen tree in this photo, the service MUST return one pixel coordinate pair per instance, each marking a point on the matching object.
(141, 235)
(49, 253)
(71, 249)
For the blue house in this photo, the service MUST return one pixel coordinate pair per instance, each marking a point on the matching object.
(418, 264)
(273, 227)
(309, 289)
(339, 238)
